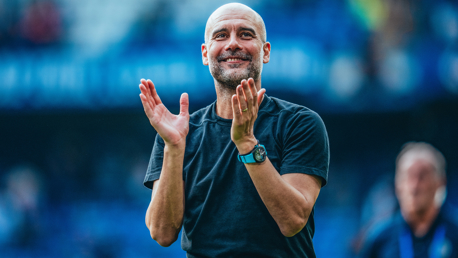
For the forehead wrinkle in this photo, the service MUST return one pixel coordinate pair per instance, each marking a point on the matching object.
(239, 12)
(238, 26)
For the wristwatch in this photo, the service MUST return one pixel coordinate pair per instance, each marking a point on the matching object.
(257, 155)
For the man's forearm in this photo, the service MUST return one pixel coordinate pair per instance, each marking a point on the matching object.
(164, 216)
(289, 206)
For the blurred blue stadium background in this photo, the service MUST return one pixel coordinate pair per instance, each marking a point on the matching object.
(74, 142)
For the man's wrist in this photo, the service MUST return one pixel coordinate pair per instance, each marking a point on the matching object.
(244, 147)
(175, 149)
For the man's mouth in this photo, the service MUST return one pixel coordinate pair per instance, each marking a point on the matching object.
(239, 57)
(234, 60)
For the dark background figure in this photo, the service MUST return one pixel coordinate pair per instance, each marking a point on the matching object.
(423, 227)
(68, 108)
(22, 204)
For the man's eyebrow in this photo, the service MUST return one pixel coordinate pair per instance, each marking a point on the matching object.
(248, 29)
(218, 31)
(239, 29)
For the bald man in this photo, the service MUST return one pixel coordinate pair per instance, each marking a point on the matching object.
(242, 175)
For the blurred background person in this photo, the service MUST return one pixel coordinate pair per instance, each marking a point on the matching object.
(424, 227)
(22, 201)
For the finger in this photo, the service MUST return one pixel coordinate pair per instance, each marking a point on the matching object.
(236, 108)
(151, 89)
(241, 99)
(153, 92)
(184, 104)
(144, 100)
(148, 92)
(148, 98)
(143, 81)
(248, 94)
(146, 105)
(253, 91)
(261, 95)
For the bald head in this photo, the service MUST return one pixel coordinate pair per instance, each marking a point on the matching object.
(235, 11)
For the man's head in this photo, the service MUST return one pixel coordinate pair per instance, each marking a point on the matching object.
(420, 178)
(235, 45)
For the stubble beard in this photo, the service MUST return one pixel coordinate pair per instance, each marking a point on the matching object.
(228, 78)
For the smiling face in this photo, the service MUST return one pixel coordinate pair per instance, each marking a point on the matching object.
(235, 46)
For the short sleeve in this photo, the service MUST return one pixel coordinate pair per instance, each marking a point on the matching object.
(155, 163)
(306, 146)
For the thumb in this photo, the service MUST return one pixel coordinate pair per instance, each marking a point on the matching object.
(184, 104)
(261, 95)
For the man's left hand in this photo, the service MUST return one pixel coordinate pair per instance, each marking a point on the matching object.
(245, 106)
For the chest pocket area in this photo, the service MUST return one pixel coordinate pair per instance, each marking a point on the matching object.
(204, 170)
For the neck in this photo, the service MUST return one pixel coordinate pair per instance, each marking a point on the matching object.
(420, 222)
(224, 99)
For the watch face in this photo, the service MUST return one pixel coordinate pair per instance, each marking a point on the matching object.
(260, 154)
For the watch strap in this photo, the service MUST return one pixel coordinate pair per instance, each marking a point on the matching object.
(249, 157)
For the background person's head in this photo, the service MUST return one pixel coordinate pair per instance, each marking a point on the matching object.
(420, 178)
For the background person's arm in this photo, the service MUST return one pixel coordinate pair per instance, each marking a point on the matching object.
(164, 215)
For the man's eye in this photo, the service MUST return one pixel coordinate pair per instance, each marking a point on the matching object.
(246, 35)
(222, 35)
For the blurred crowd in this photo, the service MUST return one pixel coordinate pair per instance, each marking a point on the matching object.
(79, 194)
(29, 24)
(346, 56)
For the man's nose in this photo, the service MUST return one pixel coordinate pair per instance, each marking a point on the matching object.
(233, 43)
(415, 183)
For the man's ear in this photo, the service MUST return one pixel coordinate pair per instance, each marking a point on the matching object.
(266, 49)
(204, 54)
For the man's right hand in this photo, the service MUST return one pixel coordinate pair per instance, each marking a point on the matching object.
(172, 128)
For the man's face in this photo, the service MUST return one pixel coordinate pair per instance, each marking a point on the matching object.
(416, 185)
(234, 48)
